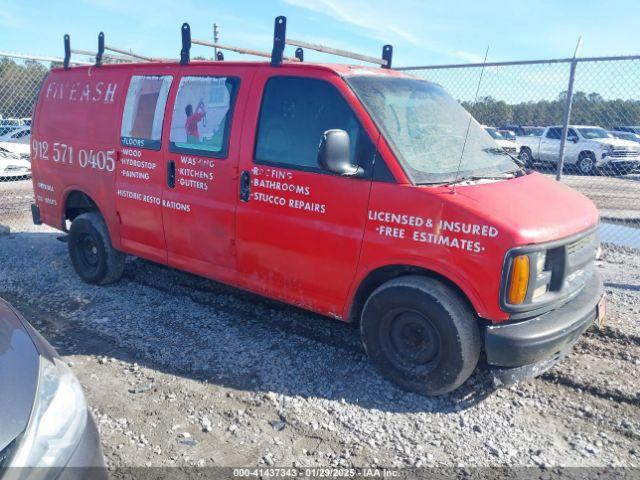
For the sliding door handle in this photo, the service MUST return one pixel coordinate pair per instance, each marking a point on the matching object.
(245, 186)
(171, 174)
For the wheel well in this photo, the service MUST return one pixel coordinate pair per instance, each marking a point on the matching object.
(525, 148)
(586, 152)
(77, 203)
(381, 275)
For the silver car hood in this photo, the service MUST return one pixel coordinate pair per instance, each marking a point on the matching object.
(19, 360)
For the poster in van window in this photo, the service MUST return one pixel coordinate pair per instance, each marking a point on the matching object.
(144, 111)
(201, 115)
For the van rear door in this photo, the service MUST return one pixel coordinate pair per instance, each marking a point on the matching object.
(140, 167)
(201, 160)
(299, 228)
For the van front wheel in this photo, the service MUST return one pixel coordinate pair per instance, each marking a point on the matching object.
(92, 255)
(421, 334)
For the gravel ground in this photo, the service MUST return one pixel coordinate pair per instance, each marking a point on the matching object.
(182, 371)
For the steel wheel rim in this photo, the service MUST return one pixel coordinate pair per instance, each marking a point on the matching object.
(88, 249)
(410, 340)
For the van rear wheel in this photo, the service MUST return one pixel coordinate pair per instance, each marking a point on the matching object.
(421, 334)
(92, 255)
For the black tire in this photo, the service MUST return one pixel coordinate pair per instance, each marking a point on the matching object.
(92, 255)
(526, 157)
(587, 163)
(421, 334)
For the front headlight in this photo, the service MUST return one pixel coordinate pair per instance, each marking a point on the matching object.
(57, 420)
(607, 148)
(528, 277)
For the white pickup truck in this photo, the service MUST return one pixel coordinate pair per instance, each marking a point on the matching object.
(591, 149)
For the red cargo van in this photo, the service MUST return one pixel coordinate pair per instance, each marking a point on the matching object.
(363, 194)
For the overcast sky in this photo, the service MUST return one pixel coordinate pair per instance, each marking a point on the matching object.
(422, 32)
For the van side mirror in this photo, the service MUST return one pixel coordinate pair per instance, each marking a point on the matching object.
(574, 139)
(333, 154)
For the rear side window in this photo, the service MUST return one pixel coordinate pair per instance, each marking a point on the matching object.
(144, 111)
(295, 113)
(202, 115)
(554, 133)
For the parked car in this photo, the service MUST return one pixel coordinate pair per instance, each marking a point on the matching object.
(44, 420)
(10, 122)
(628, 128)
(632, 137)
(17, 135)
(4, 130)
(508, 134)
(524, 130)
(363, 194)
(13, 165)
(508, 145)
(590, 148)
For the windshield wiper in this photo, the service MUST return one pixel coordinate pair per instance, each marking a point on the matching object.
(472, 178)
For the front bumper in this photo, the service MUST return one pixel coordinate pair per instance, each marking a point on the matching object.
(529, 347)
(87, 461)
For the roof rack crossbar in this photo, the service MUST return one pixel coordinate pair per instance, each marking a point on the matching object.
(131, 54)
(100, 49)
(336, 51)
(67, 51)
(246, 51)
(91, 53)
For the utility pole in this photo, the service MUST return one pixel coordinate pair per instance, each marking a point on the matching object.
(216, 37)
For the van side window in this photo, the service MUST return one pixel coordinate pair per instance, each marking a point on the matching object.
(144, 111)
(202, 115)
(295, 112)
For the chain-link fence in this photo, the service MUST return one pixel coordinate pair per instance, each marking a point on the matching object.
(518, 99)
(20, 81)
(594, 105)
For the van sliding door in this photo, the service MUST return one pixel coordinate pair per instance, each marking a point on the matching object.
(139, 169)
(201, 157)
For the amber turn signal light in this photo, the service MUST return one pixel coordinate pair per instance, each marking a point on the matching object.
(519, 280)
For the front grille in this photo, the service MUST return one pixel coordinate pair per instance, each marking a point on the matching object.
(581, 243)
(625, 152)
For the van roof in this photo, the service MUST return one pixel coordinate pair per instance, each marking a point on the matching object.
(337, 68)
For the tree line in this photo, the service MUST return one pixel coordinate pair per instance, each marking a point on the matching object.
(20, 82)
(588, 109)
(19, 86)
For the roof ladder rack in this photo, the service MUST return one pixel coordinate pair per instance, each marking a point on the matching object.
(186, 44)
(100, 49)
(280, 39)
(67, 51)
(384, 62)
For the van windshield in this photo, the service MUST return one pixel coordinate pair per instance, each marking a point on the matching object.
(426, 128)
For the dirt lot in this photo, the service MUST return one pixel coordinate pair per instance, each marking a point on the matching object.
(183, 371)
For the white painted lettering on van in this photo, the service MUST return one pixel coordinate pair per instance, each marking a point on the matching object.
(109, 95)
(98, 92)
(82, 92)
